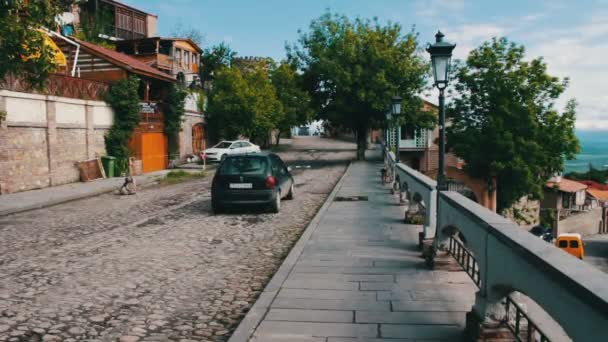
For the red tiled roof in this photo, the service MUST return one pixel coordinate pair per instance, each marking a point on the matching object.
(567, 185)
(595, 185)
(125, 61)
(601, 195)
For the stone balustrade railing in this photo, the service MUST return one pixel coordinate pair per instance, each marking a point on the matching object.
(509, 259)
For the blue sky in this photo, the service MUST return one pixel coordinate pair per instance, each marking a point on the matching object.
(572, 35)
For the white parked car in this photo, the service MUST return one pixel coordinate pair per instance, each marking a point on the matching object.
(224, 148)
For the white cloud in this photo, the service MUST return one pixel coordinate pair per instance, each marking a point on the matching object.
(469, 36)
(580, 54)
(433, 10)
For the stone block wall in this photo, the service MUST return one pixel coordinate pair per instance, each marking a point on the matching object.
(71, 147)
(23, 159)
(44, 136)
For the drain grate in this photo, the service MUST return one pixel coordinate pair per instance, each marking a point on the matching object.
(350, 198)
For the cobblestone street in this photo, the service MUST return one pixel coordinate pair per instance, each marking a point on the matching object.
(156, 266)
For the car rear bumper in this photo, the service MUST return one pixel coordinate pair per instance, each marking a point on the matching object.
(227, 197)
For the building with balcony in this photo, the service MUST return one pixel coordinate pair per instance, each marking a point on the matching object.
(178, 57)
(419, 149)
(149, 143)
(115, 19)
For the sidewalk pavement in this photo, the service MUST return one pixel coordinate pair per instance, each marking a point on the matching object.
(356, 274)
(41, 198)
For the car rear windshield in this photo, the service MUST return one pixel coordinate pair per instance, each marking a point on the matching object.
(224, 144)
(563, 244)
(244, 165)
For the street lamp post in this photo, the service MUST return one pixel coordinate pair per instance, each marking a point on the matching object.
(441, 55)
(396, 111)
(388, 130)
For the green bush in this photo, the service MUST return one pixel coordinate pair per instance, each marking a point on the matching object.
(124, 100)
(177, 174)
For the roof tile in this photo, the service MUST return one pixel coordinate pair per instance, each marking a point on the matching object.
(125, 61)
(567, 185)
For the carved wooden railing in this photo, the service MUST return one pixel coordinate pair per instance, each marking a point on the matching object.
(59, 85)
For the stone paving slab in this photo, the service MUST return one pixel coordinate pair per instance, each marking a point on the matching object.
(297, 315)
(357, 275)
(428, 318)
(288, 330)
(326, 294)
(443, 332)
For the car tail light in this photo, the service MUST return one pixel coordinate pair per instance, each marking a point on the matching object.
(270, 182)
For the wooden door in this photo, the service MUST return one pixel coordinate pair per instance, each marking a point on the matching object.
(153, 151)
(198, 138)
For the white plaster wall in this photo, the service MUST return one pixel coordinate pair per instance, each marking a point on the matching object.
(190, 102)
(103, 116)
(70, 113)
(21, 109)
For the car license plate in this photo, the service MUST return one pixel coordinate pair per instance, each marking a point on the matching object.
(241, 185)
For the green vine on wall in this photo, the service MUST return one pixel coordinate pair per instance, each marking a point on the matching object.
(3, 115)
(124, 100)
(173, 110)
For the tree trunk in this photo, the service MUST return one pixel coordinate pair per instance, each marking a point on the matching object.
(361, 142)
(278, 138)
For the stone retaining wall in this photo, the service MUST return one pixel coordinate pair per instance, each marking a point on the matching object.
(43, 136)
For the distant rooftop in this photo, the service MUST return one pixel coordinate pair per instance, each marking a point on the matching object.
(567, 185)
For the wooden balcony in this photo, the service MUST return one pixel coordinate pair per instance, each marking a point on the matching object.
(59, 85)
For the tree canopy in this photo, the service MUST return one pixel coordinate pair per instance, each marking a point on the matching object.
(504, 124)
(352, 69)
(22, 47)
(244, 103)
(295, 101)
(194, 34)
(215, 58)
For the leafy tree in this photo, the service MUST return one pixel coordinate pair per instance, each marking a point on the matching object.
(181, 31)
(504, 124)
(594, 174)
(124, 100)
(295, 101)
(244, 103)
(173, 112)
(96, 19)
(353, 68)
(22, 47)
(215, 58)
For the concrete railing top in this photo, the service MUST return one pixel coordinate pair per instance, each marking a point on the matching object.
(421, 178)
(588, 284)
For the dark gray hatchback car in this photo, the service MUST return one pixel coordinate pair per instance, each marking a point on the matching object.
(251, 179)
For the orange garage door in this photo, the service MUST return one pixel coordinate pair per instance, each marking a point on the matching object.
(153, 151)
